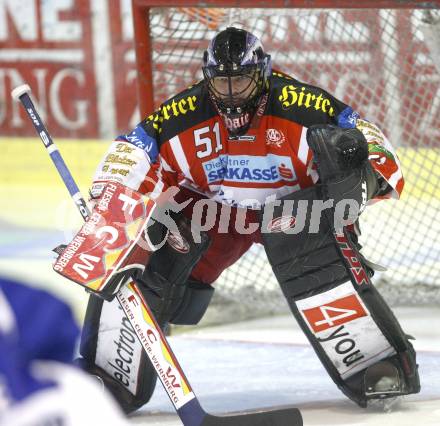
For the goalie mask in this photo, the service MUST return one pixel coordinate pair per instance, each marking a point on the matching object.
(236, 72)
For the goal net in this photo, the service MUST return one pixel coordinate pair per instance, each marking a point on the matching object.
(383, 62)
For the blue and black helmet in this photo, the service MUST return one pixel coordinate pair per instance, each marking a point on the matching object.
(236, 71)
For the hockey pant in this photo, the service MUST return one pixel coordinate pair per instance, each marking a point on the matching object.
(109, 346)
(326, 282)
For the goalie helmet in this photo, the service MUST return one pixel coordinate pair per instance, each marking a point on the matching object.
(236, 72)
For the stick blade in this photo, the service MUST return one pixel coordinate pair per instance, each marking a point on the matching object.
(285, 417)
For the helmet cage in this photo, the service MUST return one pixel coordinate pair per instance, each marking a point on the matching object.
(236, 88)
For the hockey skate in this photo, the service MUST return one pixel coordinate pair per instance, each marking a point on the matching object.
(383, 385)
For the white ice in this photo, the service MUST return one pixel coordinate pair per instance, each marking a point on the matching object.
(251, 365)
(268, 363)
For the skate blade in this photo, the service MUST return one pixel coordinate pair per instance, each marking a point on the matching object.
(386, 405)
(382, 380)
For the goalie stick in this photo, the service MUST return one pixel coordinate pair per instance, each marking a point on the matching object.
(147, 330)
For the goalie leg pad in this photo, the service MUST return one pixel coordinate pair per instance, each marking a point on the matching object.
(195, 302)
(110, 349)
(109, 345)
(347, 322)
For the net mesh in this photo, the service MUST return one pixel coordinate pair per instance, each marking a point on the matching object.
(384, 63)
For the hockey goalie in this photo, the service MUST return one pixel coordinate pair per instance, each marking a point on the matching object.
(243, 157)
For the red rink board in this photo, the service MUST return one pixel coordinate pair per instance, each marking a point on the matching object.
(80, 62)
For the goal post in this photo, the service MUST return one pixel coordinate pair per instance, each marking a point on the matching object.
(381, 57)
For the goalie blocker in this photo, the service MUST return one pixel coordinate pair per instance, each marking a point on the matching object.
(326, 280)
(111, 246)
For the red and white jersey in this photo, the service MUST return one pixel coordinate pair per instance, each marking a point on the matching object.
(186, 143)
(271, 160)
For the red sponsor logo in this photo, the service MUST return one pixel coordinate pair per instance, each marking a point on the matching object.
(356, 268)
(285, 172)
(151, 336)
(335, 313)
(280, 224)
(262, 106)
(274, 137)
(173, 378)
(132, 299)
(177, 242)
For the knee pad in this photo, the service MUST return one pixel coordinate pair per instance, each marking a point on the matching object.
(328, 288)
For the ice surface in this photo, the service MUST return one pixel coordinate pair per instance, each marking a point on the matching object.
(267, 363)
(249, 365)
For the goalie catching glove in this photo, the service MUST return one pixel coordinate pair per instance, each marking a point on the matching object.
(341, 157)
